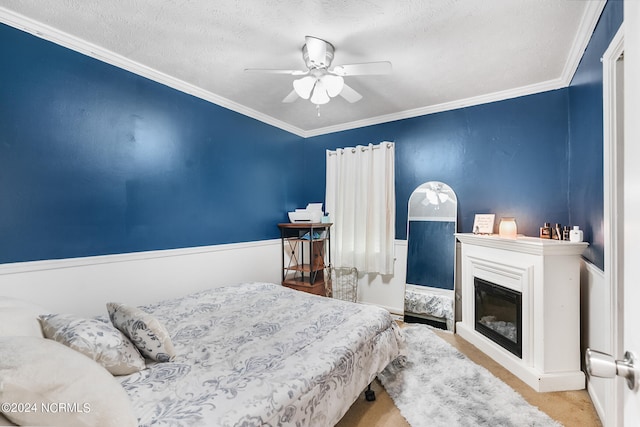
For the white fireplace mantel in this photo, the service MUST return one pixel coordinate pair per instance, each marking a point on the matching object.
(547, 274)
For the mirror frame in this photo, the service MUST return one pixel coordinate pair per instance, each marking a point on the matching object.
(433, 195)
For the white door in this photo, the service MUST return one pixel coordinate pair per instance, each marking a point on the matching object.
(623, 268)
(631, 257)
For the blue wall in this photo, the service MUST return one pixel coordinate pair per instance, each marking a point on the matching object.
(507, 158)
(96, 160)
(586, 189)
(537, 158)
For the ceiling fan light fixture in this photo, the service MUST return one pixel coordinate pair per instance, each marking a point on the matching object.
(319, 83)
(333, 84)
(304, 86)
(320, 95)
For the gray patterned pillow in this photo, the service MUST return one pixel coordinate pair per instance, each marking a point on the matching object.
(96, 339)
(144, 330)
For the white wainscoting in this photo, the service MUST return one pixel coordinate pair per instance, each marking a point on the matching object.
(597, 326)
(386, 291)
(83, 285)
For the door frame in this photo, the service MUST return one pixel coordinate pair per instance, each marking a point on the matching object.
(631, 399)
(613, 163)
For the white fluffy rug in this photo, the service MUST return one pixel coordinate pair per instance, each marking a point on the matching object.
(439, 386)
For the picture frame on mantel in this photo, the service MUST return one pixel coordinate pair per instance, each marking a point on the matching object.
(484, 223)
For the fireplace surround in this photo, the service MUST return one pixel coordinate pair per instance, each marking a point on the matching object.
(545, 275)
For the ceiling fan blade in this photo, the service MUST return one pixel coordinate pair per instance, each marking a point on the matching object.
(291, 97)
(350, 94)
(275, 71)
(366, 68)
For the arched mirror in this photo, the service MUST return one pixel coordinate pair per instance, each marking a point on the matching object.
(431, 252)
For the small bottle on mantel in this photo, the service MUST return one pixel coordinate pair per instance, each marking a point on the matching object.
(557, 232)
(566, 233)
(545, 231)
(576, 234)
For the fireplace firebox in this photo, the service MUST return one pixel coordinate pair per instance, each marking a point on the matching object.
(499, 315)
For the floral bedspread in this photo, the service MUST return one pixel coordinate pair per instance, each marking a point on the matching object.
(261, 354)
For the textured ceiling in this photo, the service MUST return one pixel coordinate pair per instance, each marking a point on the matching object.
(445, 53)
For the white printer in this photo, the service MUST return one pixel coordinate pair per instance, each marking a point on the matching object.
(312, 213)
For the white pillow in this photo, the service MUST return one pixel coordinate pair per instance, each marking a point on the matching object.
(20, 318)
(144, 331)
(4, 421)
(10, 302)
(61, 386)
(96, 339)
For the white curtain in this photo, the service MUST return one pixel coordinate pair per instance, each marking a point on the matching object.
(361, 202)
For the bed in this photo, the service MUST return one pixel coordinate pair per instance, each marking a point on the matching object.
(259, 354)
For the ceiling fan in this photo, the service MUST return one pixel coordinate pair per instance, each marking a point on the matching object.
(319, 83)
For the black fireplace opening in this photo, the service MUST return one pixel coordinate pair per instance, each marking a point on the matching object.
(499, 315)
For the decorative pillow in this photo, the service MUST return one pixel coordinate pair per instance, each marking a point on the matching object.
(95, 339)
(144, 330)
(60, 386)
(19, 318)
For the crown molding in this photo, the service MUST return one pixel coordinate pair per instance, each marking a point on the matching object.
(587, 26)
(588, 23)
(69, 41)
(445, 106)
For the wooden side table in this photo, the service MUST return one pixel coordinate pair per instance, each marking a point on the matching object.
(306, 256)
